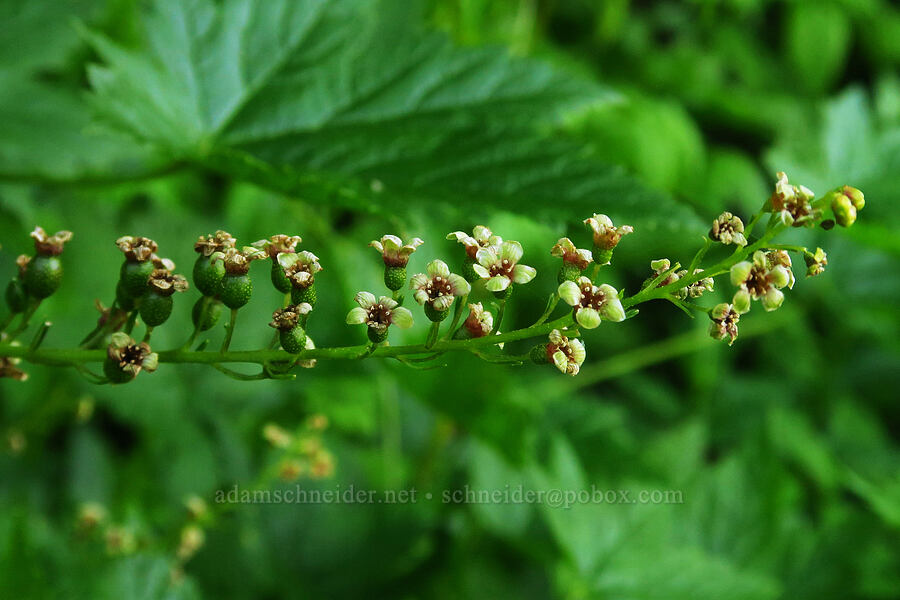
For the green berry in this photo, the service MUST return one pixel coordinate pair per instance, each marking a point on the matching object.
(376, 335)
(123, 300)
(504, 294)
(567, 272)
(204, 321)
(155, 309)
(394, 277)
(16, 297)
(43, 276)
(293, 340)
(134, 276)
(236, 290)
(435, 315)
(279, 279)
(467, 271)
(208, 275)
(307, 294)
(115, 373)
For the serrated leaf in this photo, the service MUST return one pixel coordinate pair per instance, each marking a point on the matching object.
(348, 101)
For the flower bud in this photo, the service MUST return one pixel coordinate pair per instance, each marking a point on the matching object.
(844, 211)
(856, 196)
(728, 229)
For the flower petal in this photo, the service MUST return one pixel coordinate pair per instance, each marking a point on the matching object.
(570, 293)
(588, 318)
(391, 243)
(511, 251)
(437, 268)
(387, 302)
(577, 351)
(741, 301)
(523, 273)
(418, 281)
(561, 360)
(458, 285)
(402, 318)
(612, 310)
(365, 299)
(443, 302)
(481, 234)
(556, 337)
(481, 271)
(357, 316)
(773, 299)
(377, 245)
(486, 257)
(421, 296)
(287, 259)
(498, 283)
(740, 272)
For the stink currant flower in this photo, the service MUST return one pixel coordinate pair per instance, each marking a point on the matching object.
(575, 260)
(566, 354)
(728, 229)
(606, 236)
(815, 262)
(125, 358)
(592, 303)
(478, 324)
(41, 276)
(437, 288)
(156, 305)
(288, 321)
(140, 255)
(794, 203)
(759, 280)
(395, 255)
(208, 273)
(301, 269)
(481, 237)
(275, 245)
(698, 288)
(378, 315)
(237, 288)
(724, 322)
(500, 268)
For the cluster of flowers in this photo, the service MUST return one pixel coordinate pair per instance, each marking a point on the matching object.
(221, 273)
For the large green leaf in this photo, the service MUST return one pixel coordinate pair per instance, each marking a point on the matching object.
(349, 101)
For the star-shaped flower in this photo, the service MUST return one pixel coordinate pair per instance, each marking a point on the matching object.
(567, 354)
(480, 322)
(378, 314)
(759, 280)
(592, 303)
(393, 251)
(438, 286)
(481, 237)
(50, 245)
(606, 235)
(728, 229)
(129, 357)
(724, 322)
(217, 242)
(278, 244)
(500, 266)
(300, 268)
(566, 250)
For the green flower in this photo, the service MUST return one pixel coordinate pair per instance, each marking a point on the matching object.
(220, 241)
(728, 229)
(125, 358)
(480, 322)
(724, 322)
(438, 286)
(481, 237)
(50, 245)
(762, 279)
(136, 248)
(300, 268)
(794, 203)
(606, 235)
(568, 355)
(237, 262)
(592, 303)
(698, 288)
(278, 244)
(378, 314)
(500, 266)
(815, 262)
(393, 251)
(566, 250)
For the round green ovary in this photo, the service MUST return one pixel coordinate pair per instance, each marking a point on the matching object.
(208, 275)
(133, 278)
(394, 278)
(307, 294)
(155, 309)
(293, 341)
(279, 279)
(236, 290)
(434, 314)
(43, 276)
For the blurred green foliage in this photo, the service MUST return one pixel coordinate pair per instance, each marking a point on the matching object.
(344, 120)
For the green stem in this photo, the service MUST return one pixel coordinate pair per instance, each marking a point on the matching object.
(226, 343)
(548, 310)
(26, 320)
(433, 334)
(499, 320)
(457, 313)
(132, 319)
